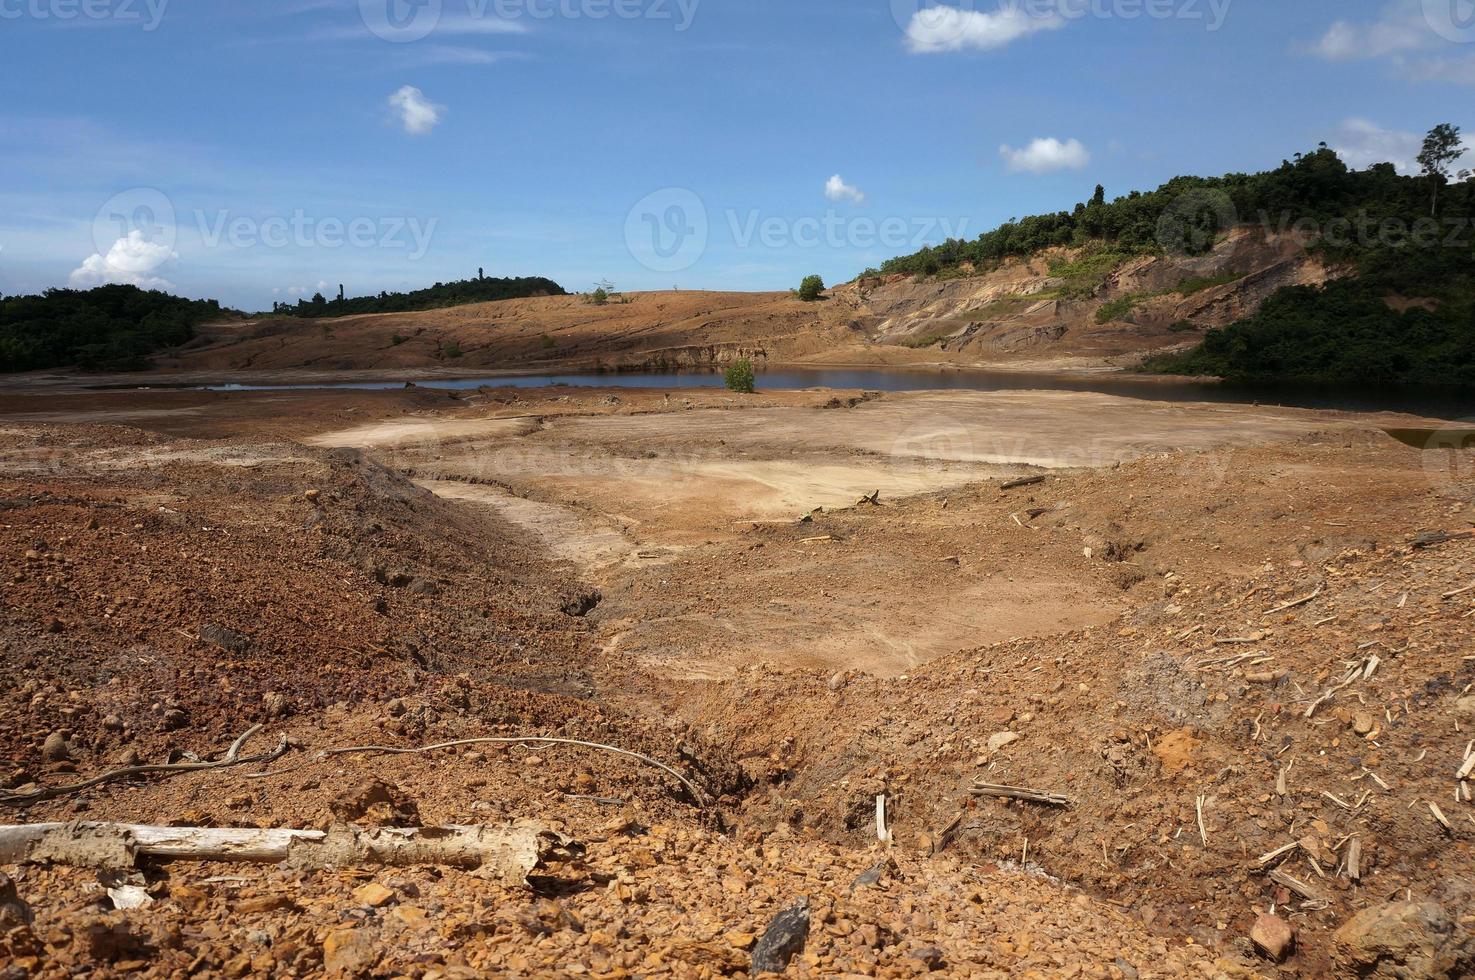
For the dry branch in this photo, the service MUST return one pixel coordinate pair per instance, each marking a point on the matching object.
(1020, 793)
(1027, 481)
(1296, 602)
(232, 758)
(691, 787)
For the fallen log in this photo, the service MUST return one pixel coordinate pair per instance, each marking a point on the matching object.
(1027, 481)
(510, 853)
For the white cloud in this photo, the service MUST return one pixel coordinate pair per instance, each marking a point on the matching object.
(938, 29)
(1407, 34)
(130, 261)
(837, 190)
(1045, 155)
(302, 290)
(1361, 143)
(416, 113)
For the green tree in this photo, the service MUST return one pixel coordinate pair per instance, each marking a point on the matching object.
(811, 288)
(1442, 147)
(740, 377)
(599, 297)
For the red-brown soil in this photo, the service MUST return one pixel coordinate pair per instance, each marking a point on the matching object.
(650, 570)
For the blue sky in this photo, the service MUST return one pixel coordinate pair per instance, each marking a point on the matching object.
(251, 151)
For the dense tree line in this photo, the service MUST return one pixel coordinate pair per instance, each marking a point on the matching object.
(1400, 237)
(110, 328)
(1316, 187)
(482, 289)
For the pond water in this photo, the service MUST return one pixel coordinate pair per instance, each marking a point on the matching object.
(1435, 404)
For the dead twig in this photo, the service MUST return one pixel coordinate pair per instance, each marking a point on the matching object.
(1020, 793)
(1296, 602)
(691, 787)
(232, 758)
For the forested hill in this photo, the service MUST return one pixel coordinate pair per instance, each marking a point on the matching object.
(110, 328)
(482, 289)
(1403, 312)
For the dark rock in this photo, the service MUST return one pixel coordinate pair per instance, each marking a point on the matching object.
(226, 639)
(783, 940)
(13, 909)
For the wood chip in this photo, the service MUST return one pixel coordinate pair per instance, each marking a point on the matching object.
(1307, 891)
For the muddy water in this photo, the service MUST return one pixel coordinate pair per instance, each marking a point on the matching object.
(1430, 404)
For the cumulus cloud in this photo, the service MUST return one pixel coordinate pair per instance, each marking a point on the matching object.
(1045, 155)
(302, 290)
(416, 113)
(1361, 143)
(938, 29)
(131, 261)
(837, 190)
(1408, 35)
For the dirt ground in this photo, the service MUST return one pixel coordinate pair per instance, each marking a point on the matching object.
(1212, 630)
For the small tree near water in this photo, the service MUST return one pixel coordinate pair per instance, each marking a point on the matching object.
(740, 377)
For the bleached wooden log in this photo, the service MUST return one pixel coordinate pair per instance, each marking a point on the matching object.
(510, 853)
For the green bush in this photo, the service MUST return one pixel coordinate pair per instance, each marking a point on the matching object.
(599, 297)
(811, 288)
(453, 350)
(1118, 309)
(740, 377)
(396, 340)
